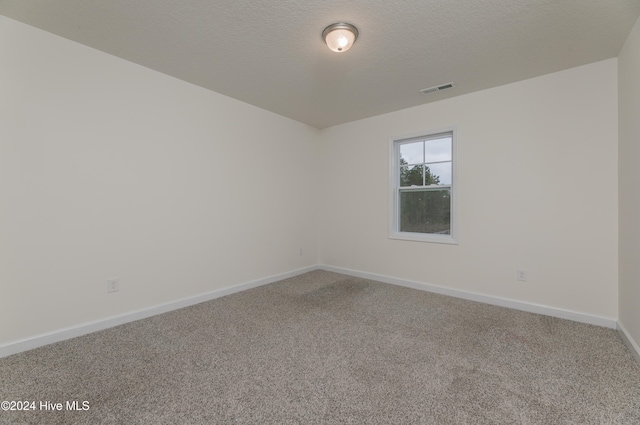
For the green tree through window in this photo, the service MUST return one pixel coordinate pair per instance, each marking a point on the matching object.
(412, 176)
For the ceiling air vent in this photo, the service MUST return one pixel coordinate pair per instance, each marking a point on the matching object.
(437, 88)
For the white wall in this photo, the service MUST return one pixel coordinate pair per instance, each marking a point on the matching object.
(537, 190)
(109, 169)
(629, 174)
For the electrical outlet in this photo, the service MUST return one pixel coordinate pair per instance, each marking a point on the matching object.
(113, 285)
(301, 252)
(521, 275)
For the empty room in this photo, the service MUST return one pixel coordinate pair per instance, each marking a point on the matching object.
(295, 212)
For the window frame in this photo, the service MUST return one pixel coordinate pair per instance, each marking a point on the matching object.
(395, 188)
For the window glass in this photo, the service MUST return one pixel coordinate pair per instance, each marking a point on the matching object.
(412, 175)
(426, 211)
(412, 153)
(438, 150)
(439, 173)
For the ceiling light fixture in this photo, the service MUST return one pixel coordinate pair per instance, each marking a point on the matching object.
(340, 37)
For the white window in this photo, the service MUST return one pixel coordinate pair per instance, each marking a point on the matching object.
(422, 188)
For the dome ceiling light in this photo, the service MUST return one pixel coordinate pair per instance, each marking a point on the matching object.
(340, 37)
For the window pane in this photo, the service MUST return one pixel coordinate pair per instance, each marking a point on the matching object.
(425, 211)
(411, 175)
(412, 153)
(438, 173)
(438, 150)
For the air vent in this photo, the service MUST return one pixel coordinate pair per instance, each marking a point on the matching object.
(437, 88)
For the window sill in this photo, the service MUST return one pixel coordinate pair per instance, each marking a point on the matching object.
(424, 237)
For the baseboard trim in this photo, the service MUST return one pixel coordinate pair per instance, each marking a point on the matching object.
(14, 347)
(629, 341)
(487, 299)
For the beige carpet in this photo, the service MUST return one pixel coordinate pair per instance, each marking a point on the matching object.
(324, 348)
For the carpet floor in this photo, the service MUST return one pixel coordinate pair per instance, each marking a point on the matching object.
(324, 348)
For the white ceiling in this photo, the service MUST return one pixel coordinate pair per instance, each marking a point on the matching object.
(270, 53)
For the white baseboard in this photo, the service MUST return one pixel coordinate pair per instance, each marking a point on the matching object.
(487, 299)
(14, 347)
(626, 337)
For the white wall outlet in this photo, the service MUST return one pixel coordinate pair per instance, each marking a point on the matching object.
(113, 285)
(521, 275)
(301, 252)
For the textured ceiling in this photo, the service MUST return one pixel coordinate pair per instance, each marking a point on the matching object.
(270, 53)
